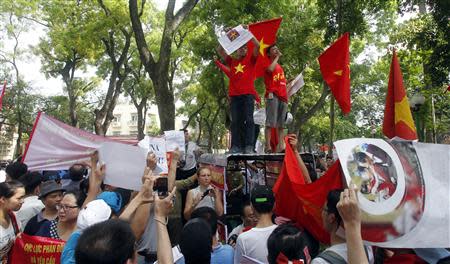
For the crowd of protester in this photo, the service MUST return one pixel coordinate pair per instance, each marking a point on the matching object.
(105, 224)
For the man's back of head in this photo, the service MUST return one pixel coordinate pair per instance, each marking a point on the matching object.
(108, 242)
(31, 180)
(208, 214)
(15, 170)
(196, 242)
(262, 199)
(77, 172)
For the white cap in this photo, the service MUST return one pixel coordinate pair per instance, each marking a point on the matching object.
(96, 211)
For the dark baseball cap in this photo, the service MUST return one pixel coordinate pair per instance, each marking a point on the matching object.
(262, 194)
(48, 187)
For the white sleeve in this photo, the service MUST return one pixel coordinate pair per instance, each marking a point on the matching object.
(238, 251)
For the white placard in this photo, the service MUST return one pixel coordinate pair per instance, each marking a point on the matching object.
(295, 84)
(234, 39)
(403, 191)
(125, 164)
(174, 139)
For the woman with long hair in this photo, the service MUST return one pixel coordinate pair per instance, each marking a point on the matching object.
(66, 223)
(12, 194)
(204, 195)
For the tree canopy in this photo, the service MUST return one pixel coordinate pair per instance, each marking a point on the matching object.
(105, 50)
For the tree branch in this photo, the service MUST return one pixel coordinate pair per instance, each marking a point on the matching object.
(193, 115)
(144, 52)
(182, 13)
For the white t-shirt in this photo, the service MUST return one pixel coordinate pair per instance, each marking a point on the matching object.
(189, 156)
(341, 250)
(7, 237)
(237, 230)
(253, 243)
(30, 207)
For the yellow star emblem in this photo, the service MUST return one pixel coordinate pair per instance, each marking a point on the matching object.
(262, 46)
(239, 68)
(403, 113)
(338, 73)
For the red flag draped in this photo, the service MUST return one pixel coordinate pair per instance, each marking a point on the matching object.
(303, 202)
(398, 121)
(266, 33)
(335, 67)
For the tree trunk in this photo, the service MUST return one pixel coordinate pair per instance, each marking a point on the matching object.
(165, 102)
(159, 70)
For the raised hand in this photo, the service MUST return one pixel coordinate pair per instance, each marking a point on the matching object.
(151, 160)
(348, 207)
(164, 206)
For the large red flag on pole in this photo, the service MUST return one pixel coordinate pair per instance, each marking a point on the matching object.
(335, 67)
(266, 33)
(302, 202)
(398, 121)
(2, 92)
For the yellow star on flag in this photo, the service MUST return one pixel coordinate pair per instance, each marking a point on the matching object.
(339, 73)
(239, 68)
(403, 113)
(262, 46)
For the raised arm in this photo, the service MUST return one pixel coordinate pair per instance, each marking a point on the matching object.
(137, 211)
(274, 62)
(162, 210)
(221, 52)
(174, 158)
(293, 142)
(351, 216)
(95, 179)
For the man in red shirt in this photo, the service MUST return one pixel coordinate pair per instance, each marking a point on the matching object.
(240, 70)
(276, 97)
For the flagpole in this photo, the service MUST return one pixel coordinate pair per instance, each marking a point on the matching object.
(332, 102)
(332, 115)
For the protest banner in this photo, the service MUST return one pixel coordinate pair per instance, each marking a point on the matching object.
(234, 39)
(156, 145)
(403, 191)
(54, 145)
(174, 139)
(35, 250)
(124, 164)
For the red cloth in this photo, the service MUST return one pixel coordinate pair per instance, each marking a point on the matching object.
(266, 33)
(398, 121)
(276, 83)
(335, 67)
(302, 202)
(273, 139)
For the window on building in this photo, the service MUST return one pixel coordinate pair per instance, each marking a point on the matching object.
(116, 118)
(134, 118)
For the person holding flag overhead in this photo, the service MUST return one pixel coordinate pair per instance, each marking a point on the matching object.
(240, 70)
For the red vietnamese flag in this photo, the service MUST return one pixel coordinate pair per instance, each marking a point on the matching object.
(302, 202)
(2, 92)
(266, 33)
(335, 67)
(398, 121)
